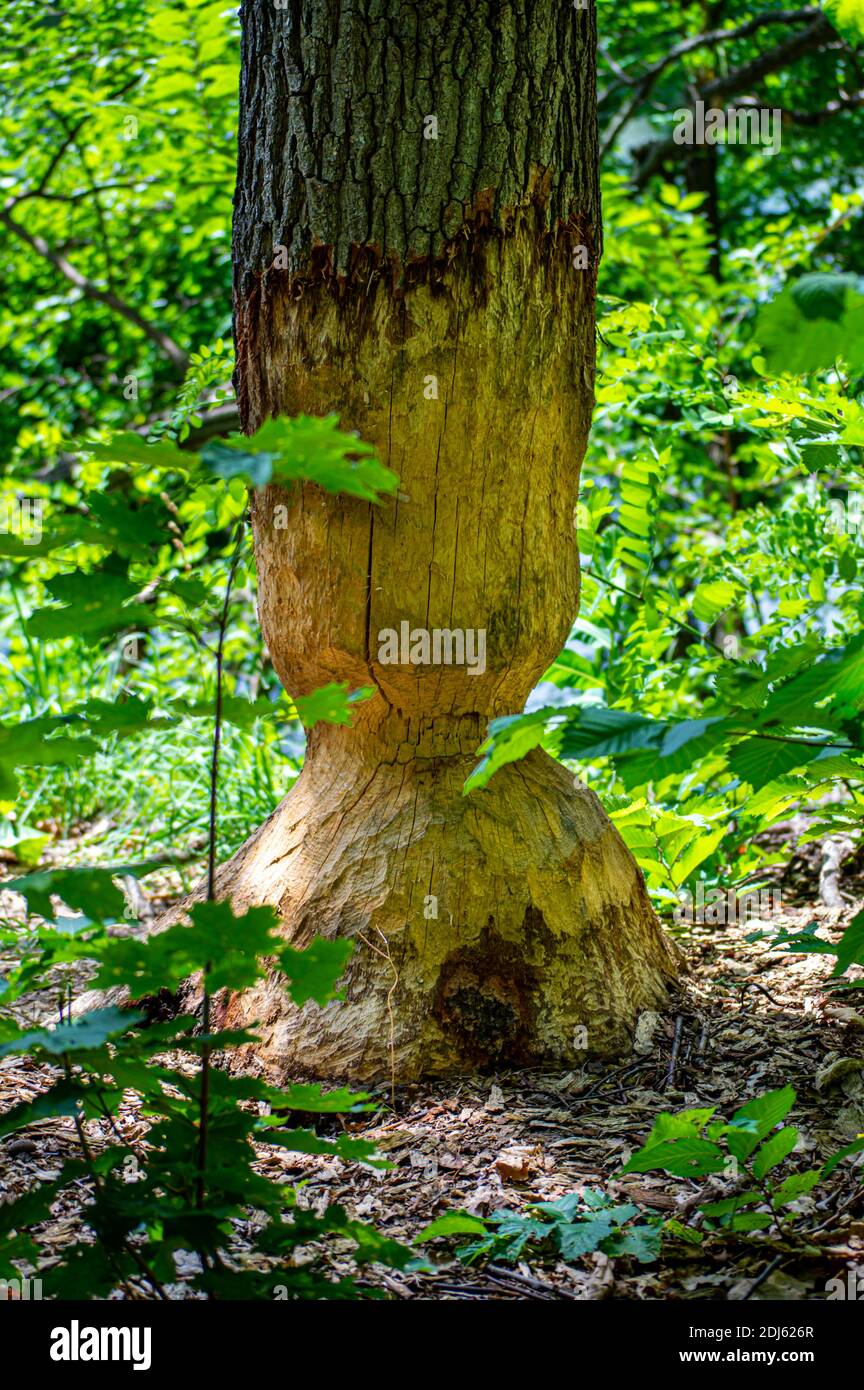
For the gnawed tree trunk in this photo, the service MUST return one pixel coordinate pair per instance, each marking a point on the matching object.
(416, 235)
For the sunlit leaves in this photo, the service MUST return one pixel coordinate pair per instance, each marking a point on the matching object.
(692, 1143)
(712, 598)
(331, 704)
(134, 449)
(509, 738)
(305, 448)
(847, 16)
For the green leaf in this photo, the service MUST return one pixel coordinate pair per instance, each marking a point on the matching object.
(510, 738)
(774, 1150)
(332, 704)
(642, 1243)
(813, 322)
(32, 744)
(751, 1221)
(729, 1205)
(856, 1147)
(25, 843)
(131, 531)
(713, 598)
(312, 973)
(82, 1035)
(686, 1158)
(93, 607)
(699, 849)
(126, 447)
(757, 1118)
(91, 890)
(231, 946)
(684, 1124)
(850, 948)
(311, 1097)
(303, 449)
(452, 1223)
(582, 1237)
(592, 731)
(795, 1186)
(761, 760)
(236, 710)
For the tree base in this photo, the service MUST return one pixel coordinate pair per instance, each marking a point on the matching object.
(506, 928)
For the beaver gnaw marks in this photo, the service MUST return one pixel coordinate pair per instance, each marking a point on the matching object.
(485, 1008)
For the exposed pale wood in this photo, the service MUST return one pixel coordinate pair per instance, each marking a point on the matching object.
(543, 926)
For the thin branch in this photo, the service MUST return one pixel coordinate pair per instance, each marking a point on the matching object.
(814, 37)
(817, 35)
(163, 341)
(58, 154)
(832, 108)
(640, 598)
(204, 1102)
(100, 211)
(646, 80)
(79, 194)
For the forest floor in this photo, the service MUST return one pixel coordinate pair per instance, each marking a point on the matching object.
(748, 1018)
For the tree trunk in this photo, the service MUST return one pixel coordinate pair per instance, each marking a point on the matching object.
(416, 236)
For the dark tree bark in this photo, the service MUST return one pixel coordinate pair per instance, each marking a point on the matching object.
(416, 237)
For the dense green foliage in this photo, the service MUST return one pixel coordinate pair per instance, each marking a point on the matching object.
(692, 1143)
(196, 1182)
(720, 524)
(713, 684)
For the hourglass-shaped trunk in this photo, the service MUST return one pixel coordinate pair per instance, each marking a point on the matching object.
(416, 237)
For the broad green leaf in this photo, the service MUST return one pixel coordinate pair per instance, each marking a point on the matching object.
(311, 1097)
(813, 322)
(774, 1150)
(94, 605)
(850, 948)
(229, 945)
(452, 1223)
(126, 447)
(795, 1186)
(760, 761)
(303, 449)
(331, 704)
(757, 1118)
(582, 1237)
(312, 973)
(686, 1157)
(642, 1243)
